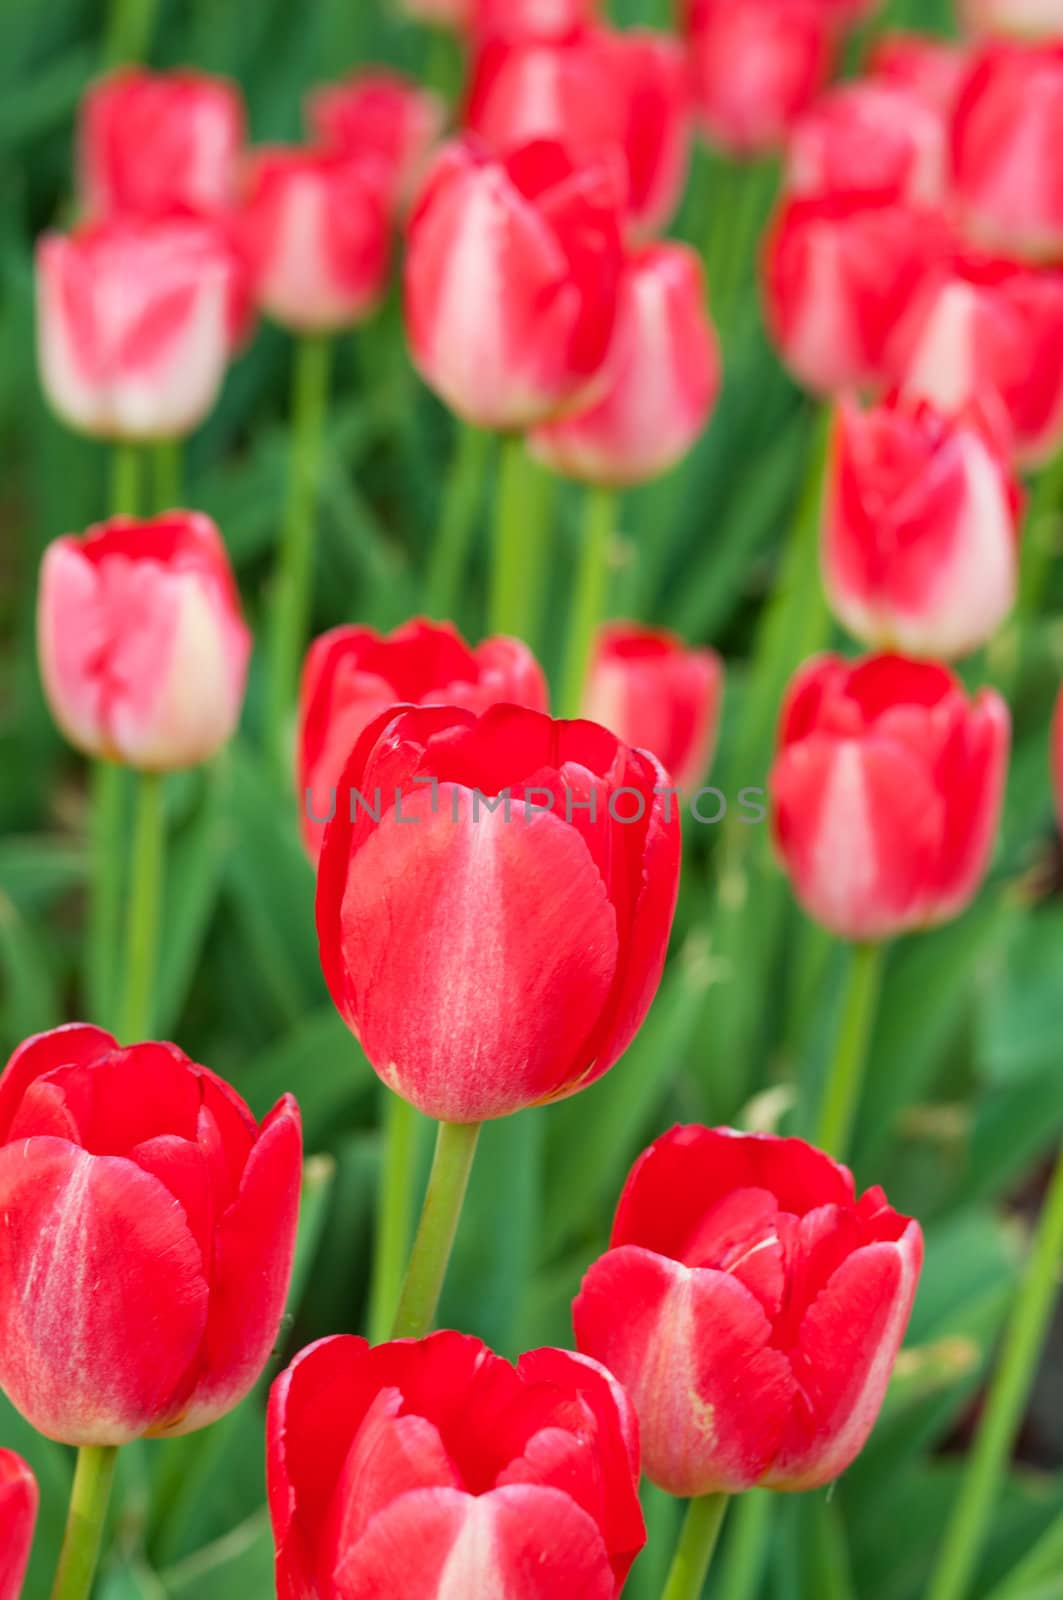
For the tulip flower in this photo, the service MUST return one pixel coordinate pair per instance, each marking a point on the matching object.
(142, 644)
(921, 535)
(1007, 133)
(533, 239)
(384, 115)
(136, 320)
(504, 948)
(880, 138)
(752, 1307)
(662, 378)
(538, 19)
(435, 1468)
(934, 69)
(886, 791)
(1032, 19)
(149, 1226)
(352, 675)
(18, 1513)
(657, 694)
(158, 142)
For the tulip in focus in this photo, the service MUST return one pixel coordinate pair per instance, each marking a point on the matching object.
(752, 1307)
(876, 137)
(18, 1513)
(142, 644)
(433, 1468)
(512, 273)
(657, 694)
(933, 69)
(1033, 19)
(136, 320)
(352, 675)
(662, 378)
(158, 142)
(505, 950)
(921, 537)
(382, 115)
(887, 788)
(147, 1239)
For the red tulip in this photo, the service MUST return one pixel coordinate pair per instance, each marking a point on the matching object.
(934, 69)
(921, 534)
(159, 142)
(663, 376)
(382, 115)
(18, 1513)
(432, 1468)
(352, 675)
(657, 694)
(757, 64)
(136, 320)
(540, 19)
(512, 272)
(877, 137)
(504, 948)
(1007, 133)
(887, 788)
(142, 644)
(317, 231)
(839, 271)
(1030, 18)
(752, 1307)
(148, 1233)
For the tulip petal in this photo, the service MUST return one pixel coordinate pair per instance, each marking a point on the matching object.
(18, 1513)
(71, 1045)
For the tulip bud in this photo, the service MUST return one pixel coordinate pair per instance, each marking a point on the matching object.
(18, 1514)
(756, 65)
(933, 69)
(656, 694)
(1007, 133)
(506, 950)
(921, 534)
(876, 137)
(159, 142)
(135, 324)
(433, 1467)
(512, 273)
(752, 1307)
(316, 227)
(887, 788)
(142, 644)
(1033, 19)
(352, 675)
(149, 1228)
(383, 116)
(662, 378)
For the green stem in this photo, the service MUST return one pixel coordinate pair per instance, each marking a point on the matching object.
(166, 454)
(105, 904)
(310, 383)
(142, 938)
(394, 1219)
(447, 1183)
(125, 480)
(89, 1497)
(747, 1542)
(450, 552)
(846, 1074)
(512, 558)
(1009, 1391)
(588, 601)
(697, 1541)
(130, 24)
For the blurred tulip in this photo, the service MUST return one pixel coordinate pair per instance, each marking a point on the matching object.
(443, 13)
(887, 788)
(18, 1513)
(535, 19)
(512, 273)
(921, 538)
(142, 644)
(752, 1307)
(1007, 134)
(316, 226)
(877, 137)
(506, 950)
(352, 675)
(839, 271)
(1031, 18)
(663, 377)
(381, 115)
(756, 65)
(159, 142)
(934, 69)
(149, 1226)
(136, 321)
(657, 694)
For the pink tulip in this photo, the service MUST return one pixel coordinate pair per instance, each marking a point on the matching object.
(384, 116)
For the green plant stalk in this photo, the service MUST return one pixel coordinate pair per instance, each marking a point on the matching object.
(89, 1498)
(125, 479)
(1009, 1391)
(697, 1541)
(589, 597)
(145, 896)
(166, 465)
(447, 1183)
(841, 1099)
(514, 560)
(746, 1552)
(106, 826)
(450, 551)
(394, 1218)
